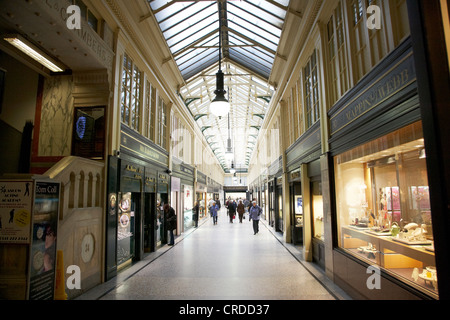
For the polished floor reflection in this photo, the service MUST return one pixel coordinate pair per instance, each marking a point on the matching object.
(220, 262)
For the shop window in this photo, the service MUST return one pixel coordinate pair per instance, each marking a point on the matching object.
(149, 112)
(311, 85)
(88, 136)
(360, 46)
(87, 15)
(131, 94)
(317, 210)
(125, 228)
(400, 20)
(383, 206)
(377, 37)
(188, 204)
(338, 70)
(162, 124)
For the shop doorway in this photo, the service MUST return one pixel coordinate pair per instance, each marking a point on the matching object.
(279, 223)
(161, 234)
(150, 225)
(296, 203)
(129, 209)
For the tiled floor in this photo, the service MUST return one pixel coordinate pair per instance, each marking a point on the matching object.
(220, 262)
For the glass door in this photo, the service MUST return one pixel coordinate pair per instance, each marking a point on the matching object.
(125, 229)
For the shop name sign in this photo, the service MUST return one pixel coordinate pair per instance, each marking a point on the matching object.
(391, 83)
(50, 189)
(132, 143)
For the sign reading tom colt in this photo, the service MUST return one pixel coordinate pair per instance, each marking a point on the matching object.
(44, 235)
(29, 213)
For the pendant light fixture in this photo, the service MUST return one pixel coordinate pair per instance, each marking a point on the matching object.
(220, 105)
(229, 153)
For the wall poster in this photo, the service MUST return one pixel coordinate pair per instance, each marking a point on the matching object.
(15, 211)
(44, 234)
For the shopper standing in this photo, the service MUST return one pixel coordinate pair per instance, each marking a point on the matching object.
(214, 210)
(195, 212)
(171, 219)
(254, 214)
(241, 210)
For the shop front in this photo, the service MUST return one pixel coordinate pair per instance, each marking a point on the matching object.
(200, 195)
(296, 207)
(137, 189)
(305, 194)
(278, 204)
(184, 194)
(316, 213)
(383, 211)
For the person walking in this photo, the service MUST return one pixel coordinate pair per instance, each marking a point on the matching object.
(171, 219)
(214, 210)
(254, 214)
(232, 210)
(195, 212)
(241, 210)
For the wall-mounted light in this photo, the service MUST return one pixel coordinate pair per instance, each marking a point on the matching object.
(33, 52)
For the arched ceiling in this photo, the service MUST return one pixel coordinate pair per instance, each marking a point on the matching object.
(251, 31)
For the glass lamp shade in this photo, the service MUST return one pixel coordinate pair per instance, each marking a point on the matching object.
(229, 155)
(220, 105)
(219, 108)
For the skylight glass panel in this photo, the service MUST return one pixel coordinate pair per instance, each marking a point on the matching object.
(253, 19)
(186, 42)
(269, 8)
(179, 12)
(260, 12)
(196, 29)
(253, 36)
(191, 25)
(156, 4)
(253, 28)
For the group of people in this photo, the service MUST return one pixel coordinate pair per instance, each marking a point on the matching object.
(253, 209)
(254, 213)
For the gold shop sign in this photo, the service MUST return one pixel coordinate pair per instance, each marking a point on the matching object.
(377, 94)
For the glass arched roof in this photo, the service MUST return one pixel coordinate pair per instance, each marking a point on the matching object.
(251, 32)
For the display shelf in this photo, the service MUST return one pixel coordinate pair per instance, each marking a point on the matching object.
(398, 258)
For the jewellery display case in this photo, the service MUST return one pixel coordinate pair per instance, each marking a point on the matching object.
(384, 215)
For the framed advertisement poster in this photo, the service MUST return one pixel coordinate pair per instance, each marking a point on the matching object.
(16, 199)
(43, 240)
(298, 205)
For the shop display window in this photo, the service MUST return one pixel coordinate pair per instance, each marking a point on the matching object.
(188, 203)
(383, 207)
(125, 228)
(317, 210)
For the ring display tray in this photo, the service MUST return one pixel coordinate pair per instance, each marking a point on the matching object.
(413, 243)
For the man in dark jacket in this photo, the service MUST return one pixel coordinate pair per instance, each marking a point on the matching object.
(171, 219)
(232, 210)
